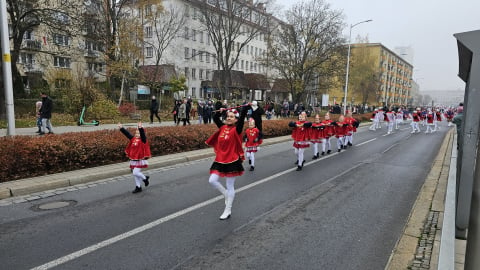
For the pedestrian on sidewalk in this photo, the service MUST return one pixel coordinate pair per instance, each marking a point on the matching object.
(38, 105)
(138, 151)
(227, 144)
(154, 110)
(46, 113)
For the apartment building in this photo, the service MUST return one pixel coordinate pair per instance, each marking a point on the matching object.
(395, 75)
(46, 52)
(193, 55)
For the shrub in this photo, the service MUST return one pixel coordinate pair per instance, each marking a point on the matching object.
(127, 108)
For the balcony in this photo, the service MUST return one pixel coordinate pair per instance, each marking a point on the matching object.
(92, 53)
(32, 68)
(31, 45)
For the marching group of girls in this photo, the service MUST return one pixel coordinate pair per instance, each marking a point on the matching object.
(427, 117)
(230, 139)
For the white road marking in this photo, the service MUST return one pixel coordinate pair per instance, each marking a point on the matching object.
(159, 221)
(366, 142)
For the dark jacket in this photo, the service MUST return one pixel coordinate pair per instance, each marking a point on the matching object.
(154, 105)
(47, 107)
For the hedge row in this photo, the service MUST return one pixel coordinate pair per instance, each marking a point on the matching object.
(29, 156)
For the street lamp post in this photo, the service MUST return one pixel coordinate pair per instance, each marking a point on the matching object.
(348, 63)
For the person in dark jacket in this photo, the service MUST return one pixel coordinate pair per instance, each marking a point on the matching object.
(46, 113)
(257, 113)
(154, 110)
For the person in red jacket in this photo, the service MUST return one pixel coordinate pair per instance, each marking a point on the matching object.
(253, 139)
(340, 132)
(227, 144)
(138, 151)
(316, 135)
(300, 135)
(328, 132)
(351, 129)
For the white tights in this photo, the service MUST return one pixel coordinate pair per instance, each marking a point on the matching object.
(326, 144)
(299, 152)
(229, 191)
(138, 176)
(251, 157)
(315, 148)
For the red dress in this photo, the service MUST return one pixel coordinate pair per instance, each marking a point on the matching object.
(138, 149)
(329, 130)
(340, 129)
(301, 133)
(253, 139)
(227, 144)
(317, 133)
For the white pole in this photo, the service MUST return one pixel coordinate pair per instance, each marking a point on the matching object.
(348, 64)
(7, 69)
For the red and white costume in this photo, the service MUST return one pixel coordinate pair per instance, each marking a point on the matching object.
(253, 139)
(301, 138)
(416, 118)
(430, 119)
(138, 151)
(316, 135)
(328, 133)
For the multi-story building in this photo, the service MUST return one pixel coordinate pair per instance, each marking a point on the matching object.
(193, 55)
(393, 77)
(46, 51)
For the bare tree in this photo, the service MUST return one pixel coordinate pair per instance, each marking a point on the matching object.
(311, 38)
(231, 25)
(165, 25)
(365, 75)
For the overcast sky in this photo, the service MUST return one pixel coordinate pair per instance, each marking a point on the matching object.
(425, 25)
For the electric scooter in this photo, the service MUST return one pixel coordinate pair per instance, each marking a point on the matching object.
(82, 122)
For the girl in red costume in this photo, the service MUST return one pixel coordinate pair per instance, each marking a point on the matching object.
(340, 131)
(300, 135)
(252, 138)
(138, 151)
(328, 132)
(316, 135)
(227, 144)
(351, 129)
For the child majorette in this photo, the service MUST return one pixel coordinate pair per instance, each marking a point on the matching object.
(449, 115)
(430, 119)
(300, 135)
(436, 119)
(227, 144)
(380, 116)
(390, 119)
(340, 131)
(398, 118)
(351, 129)
(328, 132)
(316, 135)
(416, 118)
(138, 151)
(253, 138)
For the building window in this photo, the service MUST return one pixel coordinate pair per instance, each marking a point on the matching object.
(26, 58)
(62, 62)
(186, 72)
(194, 35)
(186, 33)
(187, 11)
(207, 57)
(194, 53)
(149, 52)
(201, 36)
(194, 73)
(187, 53)
(28, 35)
(200, 55)
(148, 32)
(95, 67)
(200, 74)
(207, 74)
(61, 40)
(148, 10)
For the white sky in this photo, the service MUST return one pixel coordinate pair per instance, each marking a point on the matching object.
(425, 25)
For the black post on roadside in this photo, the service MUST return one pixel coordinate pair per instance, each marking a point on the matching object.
(467, 220)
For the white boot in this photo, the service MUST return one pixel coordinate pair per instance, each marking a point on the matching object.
(228, 208)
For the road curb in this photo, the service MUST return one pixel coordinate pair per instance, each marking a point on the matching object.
(430, 196)
(65, 179)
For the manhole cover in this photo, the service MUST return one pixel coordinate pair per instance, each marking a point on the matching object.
(53, 205)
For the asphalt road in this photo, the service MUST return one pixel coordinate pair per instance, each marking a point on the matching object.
(342, 211)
